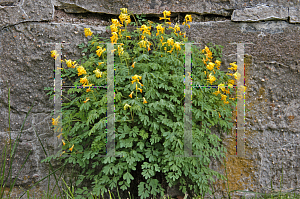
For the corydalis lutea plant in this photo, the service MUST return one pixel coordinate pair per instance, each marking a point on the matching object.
(149, 110)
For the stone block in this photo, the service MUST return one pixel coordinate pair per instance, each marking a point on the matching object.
(259, 13)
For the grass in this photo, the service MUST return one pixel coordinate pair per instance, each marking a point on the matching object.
(67, 192)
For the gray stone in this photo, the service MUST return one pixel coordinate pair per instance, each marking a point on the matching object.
(259, 13)
(294, 15)
(13, 12)
(272, 121)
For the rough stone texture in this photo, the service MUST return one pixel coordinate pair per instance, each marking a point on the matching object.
(259, 13)
(15, 12)
(271, 76)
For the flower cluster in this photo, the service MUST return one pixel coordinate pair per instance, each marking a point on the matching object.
(88, 32)
(166, 14)
(188, 18)
(124, 17)
(136, 79)
(100, 51)
(155, 74)
(54, 54)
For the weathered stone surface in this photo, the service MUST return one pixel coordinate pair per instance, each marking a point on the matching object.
(259, 13)
(8, 2)
(15, 12)
(294, 14)
(271, 75)
(146, 7)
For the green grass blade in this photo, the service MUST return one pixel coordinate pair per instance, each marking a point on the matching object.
(12, 153)
(12, 185)
(43, 179)
(56, 180)
(3, 171)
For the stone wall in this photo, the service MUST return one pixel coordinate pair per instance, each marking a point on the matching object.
(271, 75)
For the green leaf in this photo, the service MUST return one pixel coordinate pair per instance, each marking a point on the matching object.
(127, 176)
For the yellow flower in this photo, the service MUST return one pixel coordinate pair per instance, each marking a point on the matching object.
(120, 50)
(210, 66)
(59, 136)
(70, 64)
(160, 29)
(114, 37)
(131, 94)
(114, 28)
(133, 65)
(88, 32)
(99, 63)
(234, 66)
(230, 85)
(219, 115)
(209, 53)
(86, 100)
(218, 63)
(88, 90)
(166, 13)
(126, 106)
(141, 90)
(124, 17)
(188, 18)
(170, 41)
(55, 121)
(123, 10)
(222, 86)
(204, 60)
(177, 45)
(116, 22)
(81, 70)
(223, 97)
(140, 84)
(54, 54)
(128, 20)
(129, 37)
(226, 102)
(84, 86)
(144, 101)
(217, 92)
(237, 75)
(145, 29)
(63, 142)
(231, 81)
(100, 50)
(136, 87)
(71, 149)
(211, 78)
(142, 43)
(176, 28)
(136, 77)
(98, 73)
(84, 81)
